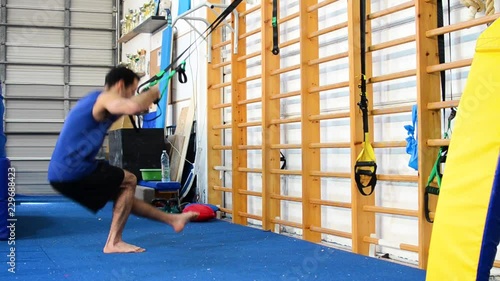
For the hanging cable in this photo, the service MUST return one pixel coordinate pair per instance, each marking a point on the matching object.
(276, 49)
(366, 166)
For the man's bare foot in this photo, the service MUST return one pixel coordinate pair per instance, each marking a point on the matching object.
(122, 247)
(181, 220)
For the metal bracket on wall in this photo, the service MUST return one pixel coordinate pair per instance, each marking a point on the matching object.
(185, 16)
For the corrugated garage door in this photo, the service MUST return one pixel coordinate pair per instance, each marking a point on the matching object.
(52, 52)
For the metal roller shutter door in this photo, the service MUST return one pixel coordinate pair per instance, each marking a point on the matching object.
(52, 52)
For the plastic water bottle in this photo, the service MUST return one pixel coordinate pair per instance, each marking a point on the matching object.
(165, 167)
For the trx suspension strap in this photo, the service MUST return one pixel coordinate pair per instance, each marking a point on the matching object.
(436, 173)
(156, 79)
(366, 167)
(276, 49)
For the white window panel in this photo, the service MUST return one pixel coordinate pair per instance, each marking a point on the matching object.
(29, 165)
(32, 128)
(40, 37)
(35, 17)
(96, 20)
(81, 91)
(87, 76)
(52, 75)
(34, 91)
(91, 39)
(34, 110)
(93, 57)
(50, 4)
(93, 5)
(35, 55)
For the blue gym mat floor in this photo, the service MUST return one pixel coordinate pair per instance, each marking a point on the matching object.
(58, 240)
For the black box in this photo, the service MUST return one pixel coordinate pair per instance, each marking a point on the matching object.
(134, 150)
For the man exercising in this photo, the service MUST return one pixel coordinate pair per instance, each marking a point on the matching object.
(75, 173)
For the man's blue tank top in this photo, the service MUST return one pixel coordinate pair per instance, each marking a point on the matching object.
(79, 142)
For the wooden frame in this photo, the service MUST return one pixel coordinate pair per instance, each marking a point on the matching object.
(363, 208)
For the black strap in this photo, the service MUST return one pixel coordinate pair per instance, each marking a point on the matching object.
(283, 158)
(359, 171)
(181, 71)
(276, 49)
(363, 104)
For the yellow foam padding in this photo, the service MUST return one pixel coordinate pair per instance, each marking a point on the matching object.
(470, 168)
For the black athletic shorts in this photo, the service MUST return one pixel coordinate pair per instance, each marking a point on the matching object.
(95, 190)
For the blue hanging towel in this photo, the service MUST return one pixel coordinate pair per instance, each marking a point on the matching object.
(411, 141)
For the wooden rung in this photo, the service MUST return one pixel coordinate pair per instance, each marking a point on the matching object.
(287, 223)
(288, 43)
(388, 144)
(330, 174)
(438, 142)
(255, 100)
(391, 211)
(250, 216)
(249, 11)
(392, 43)
(220, 188)
(250, 170)
(461, 25)
(250, 33)
(221, 44)
(391, 10)
(327, 30)
(222, 168)
(249, 56)
(329, 87)
(449, 65)
(391, 110)
(393, 76)
(496, 263)
(222, 147)
(286, 198)
(346, 205)
(320, 5)
(222, 105)
(330, 145)
(401, 246)
(285, 69)
(331, 232)
(222, 64)
(398, 178)
(442, 104)
(249, 147)
(286, 172)
(328, 58)
(288, 18)
(286, 95)
(286, 121)
(250, 192)
(286, 146)
(329, 116)
(249, 78)
(221, 127)
(221, 85)
(250, 124)
(225, 210)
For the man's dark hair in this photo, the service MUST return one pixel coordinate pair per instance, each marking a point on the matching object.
(120, 73)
